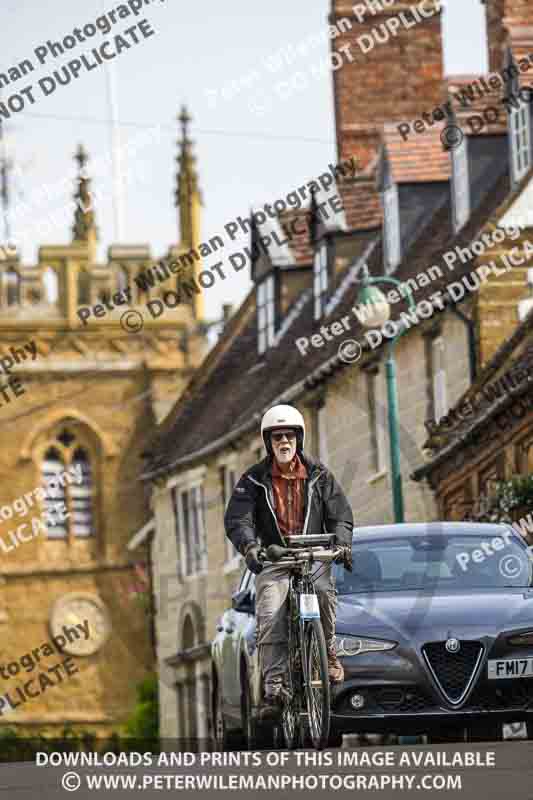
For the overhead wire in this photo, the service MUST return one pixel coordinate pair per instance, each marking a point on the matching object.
(197, 131)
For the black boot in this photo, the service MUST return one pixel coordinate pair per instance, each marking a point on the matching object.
(272, 704)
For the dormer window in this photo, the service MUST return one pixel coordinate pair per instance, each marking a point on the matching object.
(265, 313)
(391, 222)
(520, 133)
(461, 185)
(320, 274)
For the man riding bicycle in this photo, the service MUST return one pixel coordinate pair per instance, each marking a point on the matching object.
(284, 495)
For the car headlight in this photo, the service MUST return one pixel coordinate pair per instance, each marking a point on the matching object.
(355, 645)
(522, 639)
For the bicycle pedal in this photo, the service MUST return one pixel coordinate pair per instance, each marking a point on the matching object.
(316, 684)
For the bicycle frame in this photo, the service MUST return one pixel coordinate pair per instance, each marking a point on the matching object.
(299, 584)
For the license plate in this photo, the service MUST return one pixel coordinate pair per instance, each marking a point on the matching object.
(510, 668)
(309, 606)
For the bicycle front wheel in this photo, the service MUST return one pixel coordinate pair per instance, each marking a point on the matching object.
(317, 684)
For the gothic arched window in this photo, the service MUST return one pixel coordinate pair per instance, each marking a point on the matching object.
(81, 495)
(53, 484)
(67, 484)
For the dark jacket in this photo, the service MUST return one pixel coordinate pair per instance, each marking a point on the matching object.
(250, 514)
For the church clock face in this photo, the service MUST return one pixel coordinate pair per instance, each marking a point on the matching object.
(88, 616)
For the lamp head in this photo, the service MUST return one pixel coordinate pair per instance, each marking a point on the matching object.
(376, 308)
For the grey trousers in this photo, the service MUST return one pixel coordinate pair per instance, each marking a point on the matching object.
(271, 609)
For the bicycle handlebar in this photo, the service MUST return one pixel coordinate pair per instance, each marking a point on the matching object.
(287, 556)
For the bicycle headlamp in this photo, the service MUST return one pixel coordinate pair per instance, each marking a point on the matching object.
(355, 645)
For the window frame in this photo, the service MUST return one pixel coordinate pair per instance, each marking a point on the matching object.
(266, 303)
(461, 185)
(76, 493)
(191, 564)
(67, 460)
(61, 531)
(520, 140)
(228, 468)
(321, 277)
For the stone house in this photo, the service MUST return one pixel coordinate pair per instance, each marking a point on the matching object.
(416, 212)
(487, 437)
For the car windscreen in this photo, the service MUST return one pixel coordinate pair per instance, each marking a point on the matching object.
(436, 561)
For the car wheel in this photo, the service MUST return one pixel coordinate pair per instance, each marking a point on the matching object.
(447, 733)
(257, 735)
(220, 736)
(529, 729)
(484, 732)
(223, 740)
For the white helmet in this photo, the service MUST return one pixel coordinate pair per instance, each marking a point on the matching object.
(283, 417)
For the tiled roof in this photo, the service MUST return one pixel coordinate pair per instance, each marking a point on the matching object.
(361, 212)
(239, 386)
(420, 159)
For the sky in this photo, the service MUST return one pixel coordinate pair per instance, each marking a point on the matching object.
(258, 131)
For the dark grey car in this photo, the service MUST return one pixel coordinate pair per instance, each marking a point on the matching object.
(434, 630)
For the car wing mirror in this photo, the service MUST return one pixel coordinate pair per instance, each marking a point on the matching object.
(243, 602)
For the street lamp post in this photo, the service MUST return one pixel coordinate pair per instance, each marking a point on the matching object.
(379, 314)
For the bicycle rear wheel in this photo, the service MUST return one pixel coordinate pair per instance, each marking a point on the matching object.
(317, 684)
(290, 722)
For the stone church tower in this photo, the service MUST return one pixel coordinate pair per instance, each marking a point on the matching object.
(78, 399)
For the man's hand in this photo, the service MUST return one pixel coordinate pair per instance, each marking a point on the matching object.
(347, 558)
(252, 561)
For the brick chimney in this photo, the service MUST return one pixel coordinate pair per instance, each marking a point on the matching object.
(509, 24)
(397, 79)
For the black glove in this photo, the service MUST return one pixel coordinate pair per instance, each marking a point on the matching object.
(252, 561)
(347, 558)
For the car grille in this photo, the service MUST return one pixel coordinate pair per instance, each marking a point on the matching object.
(452, 671)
